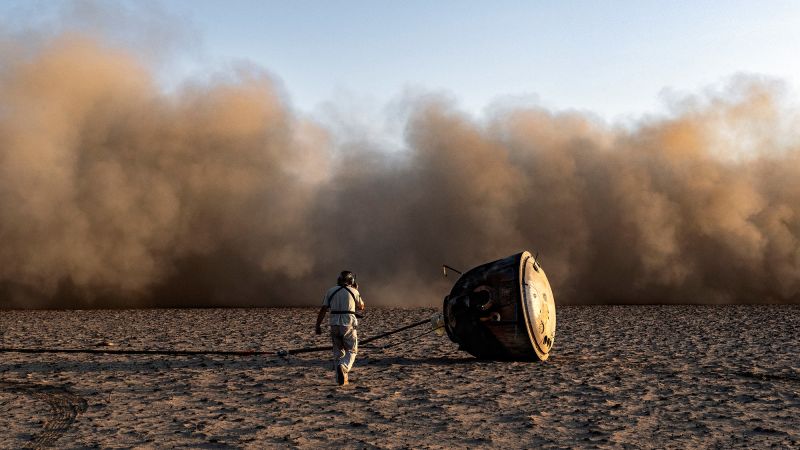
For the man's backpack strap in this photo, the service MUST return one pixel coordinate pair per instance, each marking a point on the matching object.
(351, 295)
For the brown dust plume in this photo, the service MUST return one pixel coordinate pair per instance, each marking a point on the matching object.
(114, 192)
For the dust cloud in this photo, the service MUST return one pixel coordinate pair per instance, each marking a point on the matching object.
(117, 193)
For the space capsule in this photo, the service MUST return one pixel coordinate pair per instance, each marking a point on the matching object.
(502, 310)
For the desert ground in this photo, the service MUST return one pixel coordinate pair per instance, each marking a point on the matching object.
(618, 377)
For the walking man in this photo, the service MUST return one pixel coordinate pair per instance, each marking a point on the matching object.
(343, 300)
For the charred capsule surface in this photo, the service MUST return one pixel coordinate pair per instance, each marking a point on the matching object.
(503, 310)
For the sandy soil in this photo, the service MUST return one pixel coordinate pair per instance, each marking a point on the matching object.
(618, 377)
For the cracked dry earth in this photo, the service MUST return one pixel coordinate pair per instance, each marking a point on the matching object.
(618, 377)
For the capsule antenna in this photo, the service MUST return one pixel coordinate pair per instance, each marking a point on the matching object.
(445, 267)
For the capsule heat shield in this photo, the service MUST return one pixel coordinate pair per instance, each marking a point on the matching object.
(503, 310)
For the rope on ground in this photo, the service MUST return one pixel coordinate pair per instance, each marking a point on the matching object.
(296, 351)
(281, 353)
(407, 340)
(137, 352)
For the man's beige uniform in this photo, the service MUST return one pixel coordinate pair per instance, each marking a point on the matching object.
(342, 301)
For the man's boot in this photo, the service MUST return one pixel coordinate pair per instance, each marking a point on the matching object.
(341, 375)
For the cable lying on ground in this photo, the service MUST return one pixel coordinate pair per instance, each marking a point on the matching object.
(281, 353)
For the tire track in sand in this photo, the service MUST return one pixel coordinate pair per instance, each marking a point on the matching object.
(64, 408)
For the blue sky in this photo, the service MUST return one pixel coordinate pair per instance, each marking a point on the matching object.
(613, 58)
